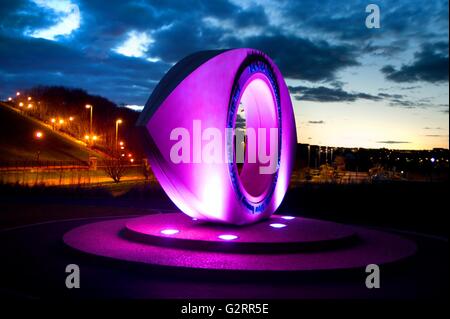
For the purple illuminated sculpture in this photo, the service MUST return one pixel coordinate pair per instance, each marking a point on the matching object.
(203, 91)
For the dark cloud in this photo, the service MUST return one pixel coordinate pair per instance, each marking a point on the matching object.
(393, 142)
(338, 94)
(97, 39)
(319, 60)
(21, 16)
(386, 50)
(183, 38)
(316, 122)
(326, 94)
(429, 65)
(410, 104)
(391, 96)
(178, 28)
(408, 88)
(346, 21)
(338, 19)
(403, 103)
(253, 16)
(120, 78)
(300, 58)
(311, 40)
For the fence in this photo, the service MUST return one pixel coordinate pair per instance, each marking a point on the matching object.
(328, 175)
(53, 173)
(28, 164)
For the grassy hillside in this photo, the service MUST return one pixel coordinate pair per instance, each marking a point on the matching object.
(18, 141)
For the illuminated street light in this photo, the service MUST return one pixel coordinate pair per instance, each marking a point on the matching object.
(121, 143)
(94, 137)
(132, 160)
(118, 121)
(29, 98)
(309, 154)
(17, 93)
(61, 121)
(86, 137)
(38, 135)
(30, 105)
(53, 120)
(71, 118)
(10, 99)
(20, 104)
(91, 108)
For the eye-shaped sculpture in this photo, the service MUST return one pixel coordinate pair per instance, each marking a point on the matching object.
(203, 94)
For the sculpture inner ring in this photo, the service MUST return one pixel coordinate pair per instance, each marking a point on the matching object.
(257, 92)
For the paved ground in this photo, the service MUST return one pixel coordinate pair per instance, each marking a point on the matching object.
(33, 257)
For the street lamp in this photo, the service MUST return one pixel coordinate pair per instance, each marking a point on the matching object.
(118, 121)
(319, 151)
(17, 93)
(38, 135)
(90, 107)
(9, 99)
(309, 154)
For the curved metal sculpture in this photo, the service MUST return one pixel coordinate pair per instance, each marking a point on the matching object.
(205, 91)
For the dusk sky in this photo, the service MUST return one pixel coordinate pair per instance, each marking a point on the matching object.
(350, 85)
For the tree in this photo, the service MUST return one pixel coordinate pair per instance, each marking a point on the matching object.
(115, 169)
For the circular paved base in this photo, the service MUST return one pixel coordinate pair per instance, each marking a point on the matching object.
(275, 235)
(140, 240)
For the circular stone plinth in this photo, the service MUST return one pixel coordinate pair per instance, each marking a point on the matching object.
(373, 247)
(274, 235)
